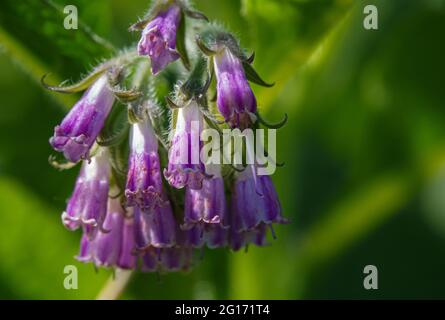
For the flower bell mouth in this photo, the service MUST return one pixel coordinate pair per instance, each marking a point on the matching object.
(155, 230)
(206, 205)
(205, 220)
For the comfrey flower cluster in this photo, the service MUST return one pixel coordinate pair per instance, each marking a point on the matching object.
(142, 198)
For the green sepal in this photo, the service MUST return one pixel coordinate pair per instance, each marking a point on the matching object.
(118, 165)
(138, 26)
(132, 116)
(115, 138)
(171, 104)
(271, 125)
(253, 76)
(82, 85)
(60, 164)
(250, 59)
(195, 14)
(124, 57)
(196, 86)
(204, 46)
(126, 95)
(153, 11)
(180, 42)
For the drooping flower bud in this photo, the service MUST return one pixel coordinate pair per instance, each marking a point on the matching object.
(235, 98)
(113, 248)
(158, 39)
(156, 229)
(87, 206)
(185, 167)
(80, 128)
(254, 205)
(144, 181)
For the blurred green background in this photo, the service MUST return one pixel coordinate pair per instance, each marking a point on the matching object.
(364, 180)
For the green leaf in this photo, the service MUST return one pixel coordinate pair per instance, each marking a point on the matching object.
(39, 26)
(36, 248)
(296, 28)
(31, 65)
(33, 34)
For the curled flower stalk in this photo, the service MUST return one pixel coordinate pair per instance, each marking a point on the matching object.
(80, 128)
(87, 206)
(185, 167)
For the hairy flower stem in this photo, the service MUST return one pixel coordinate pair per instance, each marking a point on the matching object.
(115, 285)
